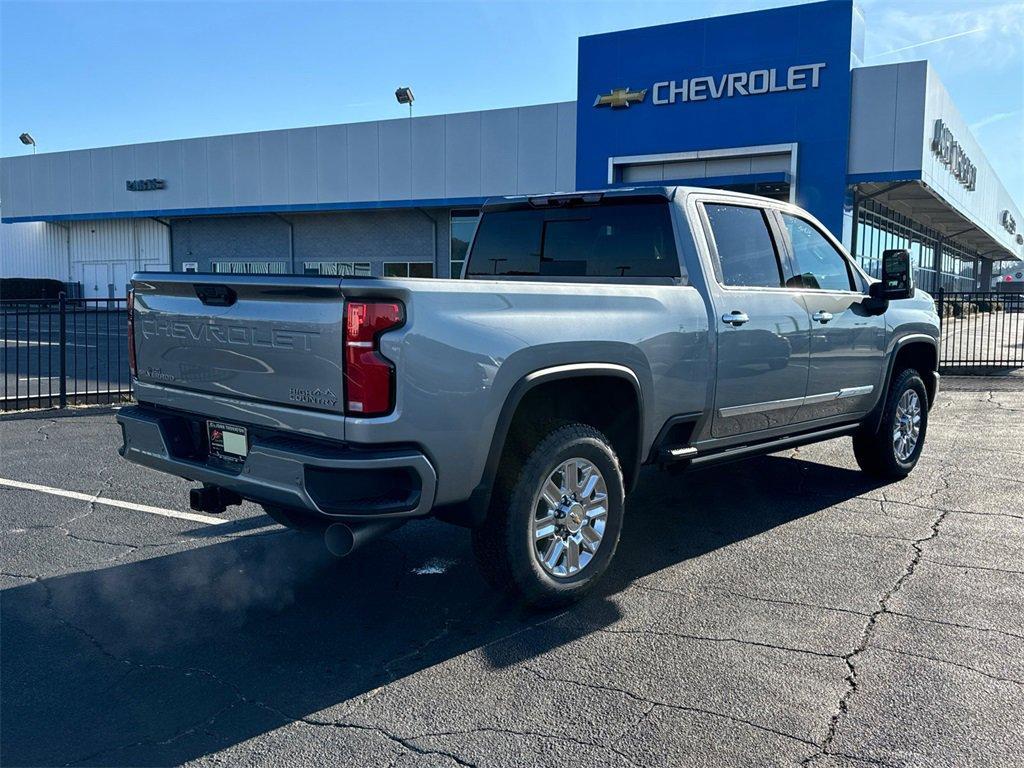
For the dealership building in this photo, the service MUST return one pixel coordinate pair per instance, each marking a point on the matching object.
(775, 102)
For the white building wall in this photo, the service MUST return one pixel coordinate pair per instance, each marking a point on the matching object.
(140, 243)
(887, 106)
(105, 253)
(521, 150)
(34, 249)
(986, 202)
(893, 112)
(101, 253)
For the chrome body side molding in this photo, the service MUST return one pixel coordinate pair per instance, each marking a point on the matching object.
(867, 389)
(794, 402)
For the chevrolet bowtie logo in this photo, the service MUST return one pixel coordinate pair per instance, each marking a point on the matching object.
(620, 97)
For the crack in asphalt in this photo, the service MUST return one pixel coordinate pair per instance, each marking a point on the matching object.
(861, 759)
(704, 638)
(406, 743)
(13, 575)
(957, 625)
(869, 627)
(1000, 405)
(937, 660)
(798, 603)
(41, 430)
(974, 567)
(241, 698)
(65, 529)
(962, 511)
(98, 645)
(231, 687)
(179, 734)
(756, 598)
(668, 705)
(528, 733)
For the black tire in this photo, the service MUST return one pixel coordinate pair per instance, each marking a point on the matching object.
(504, 544)
(875, 451)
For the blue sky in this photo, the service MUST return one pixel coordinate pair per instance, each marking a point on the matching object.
(84, 74)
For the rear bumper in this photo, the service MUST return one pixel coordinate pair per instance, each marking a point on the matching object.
(334, 482)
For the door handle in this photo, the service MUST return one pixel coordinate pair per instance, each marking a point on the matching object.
(735, 318)
(822, 316)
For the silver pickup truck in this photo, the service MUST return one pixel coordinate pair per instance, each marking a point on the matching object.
(593, 333)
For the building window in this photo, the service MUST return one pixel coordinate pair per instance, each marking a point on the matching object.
(463, 225)
(250, 267)
(939, 262)
(408, 269)
(337, 268)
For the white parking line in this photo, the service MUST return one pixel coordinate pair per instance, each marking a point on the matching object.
(37, 343)
(113, 502)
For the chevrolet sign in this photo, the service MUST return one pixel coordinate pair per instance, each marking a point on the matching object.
(796, 78)
(758, 81)
(620, 97)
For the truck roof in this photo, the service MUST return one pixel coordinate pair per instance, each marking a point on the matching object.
(594, 196)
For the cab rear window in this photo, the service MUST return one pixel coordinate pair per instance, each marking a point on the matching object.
(615, 239)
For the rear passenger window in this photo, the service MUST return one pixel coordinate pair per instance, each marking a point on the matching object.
(818, 265)
(746, 250)
(614, 239)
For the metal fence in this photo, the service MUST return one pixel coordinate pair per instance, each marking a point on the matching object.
(75, 351)
(64, 352)
(982, 332)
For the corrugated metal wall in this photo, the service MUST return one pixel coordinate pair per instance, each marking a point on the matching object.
(41, 249)
(34, 249)
(138, 242)
(105, 253)
(463, 156)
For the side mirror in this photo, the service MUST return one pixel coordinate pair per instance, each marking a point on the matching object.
(897, 277)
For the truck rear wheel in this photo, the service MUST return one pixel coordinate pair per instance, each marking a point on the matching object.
(892, 451)
(555, 518)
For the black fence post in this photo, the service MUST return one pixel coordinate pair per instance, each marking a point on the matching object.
(63, 350)
(940, 296)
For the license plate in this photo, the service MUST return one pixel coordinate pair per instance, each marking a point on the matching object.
(227, 440)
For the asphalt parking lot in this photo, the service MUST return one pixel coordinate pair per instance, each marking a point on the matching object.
(782, 611)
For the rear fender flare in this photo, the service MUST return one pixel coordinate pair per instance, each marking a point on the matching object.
(472, 511)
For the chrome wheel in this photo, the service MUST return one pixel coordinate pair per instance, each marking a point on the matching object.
(907, 429)
(570, 513)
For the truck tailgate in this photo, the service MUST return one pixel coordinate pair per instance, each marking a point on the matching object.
(266, 338)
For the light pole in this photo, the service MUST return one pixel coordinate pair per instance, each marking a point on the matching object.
(404, 96)
(26, 139)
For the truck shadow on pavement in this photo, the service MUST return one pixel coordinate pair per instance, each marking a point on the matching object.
(170, 658)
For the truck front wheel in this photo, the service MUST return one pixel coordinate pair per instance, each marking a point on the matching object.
(555, 518)
(892, 451)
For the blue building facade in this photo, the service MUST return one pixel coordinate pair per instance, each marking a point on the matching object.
(778, 78)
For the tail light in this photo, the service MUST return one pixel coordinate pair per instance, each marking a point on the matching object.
(132, 366)
(369, 376)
